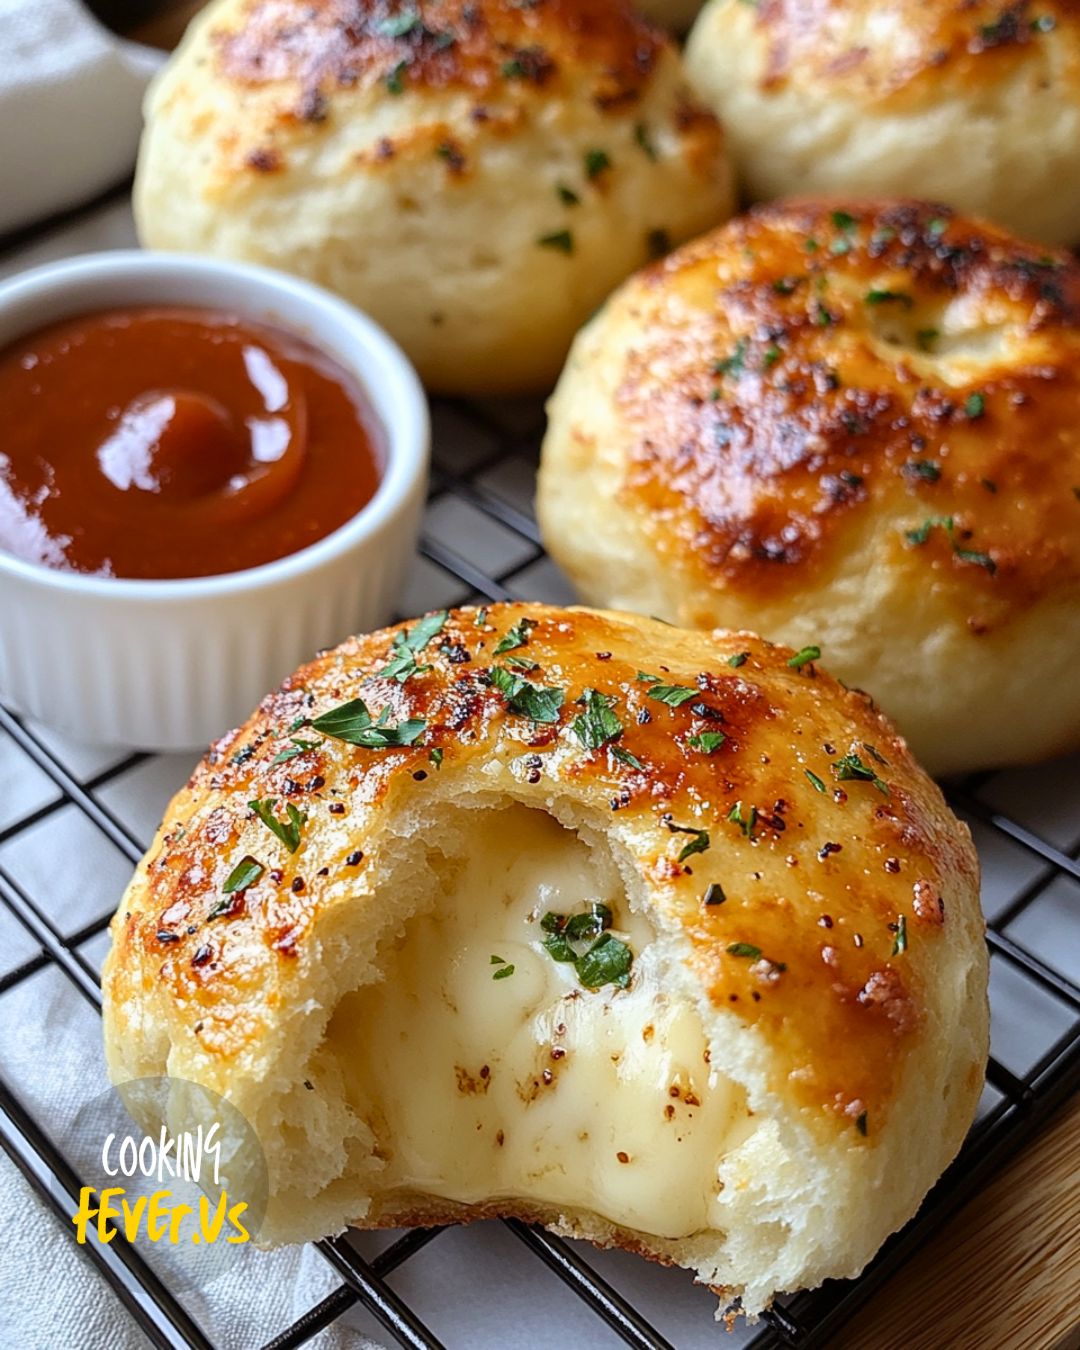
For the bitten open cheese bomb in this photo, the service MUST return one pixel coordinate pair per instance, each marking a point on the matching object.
(659, 938)
(849, 425)
(475, 174)
(973, 102)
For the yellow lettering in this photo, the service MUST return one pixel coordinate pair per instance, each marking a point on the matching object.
(156, 1221)
(174, 1223)
(242, 1233)
(108, 1211)
(133, 1217)
(84, 1213)
(210, 1231)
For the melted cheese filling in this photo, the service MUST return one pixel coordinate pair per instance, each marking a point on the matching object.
(529, 1087)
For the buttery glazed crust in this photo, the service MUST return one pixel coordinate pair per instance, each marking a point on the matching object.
(459, 44)
(973, 101)
(826, 381)
(908, 53)
(856, 1025)
(475, 175)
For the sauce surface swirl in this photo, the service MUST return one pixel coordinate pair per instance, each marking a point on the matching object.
(167, 442)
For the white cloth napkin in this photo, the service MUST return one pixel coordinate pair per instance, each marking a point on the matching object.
(51, 1294)
(70, 96)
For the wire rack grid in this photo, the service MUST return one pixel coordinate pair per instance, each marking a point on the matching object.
(59, 800)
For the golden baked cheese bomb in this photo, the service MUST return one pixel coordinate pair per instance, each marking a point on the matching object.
(659, 938)
(475, 174)
(851, 425)
(971, 102)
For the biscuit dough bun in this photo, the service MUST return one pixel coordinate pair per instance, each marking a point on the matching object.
(476, 175)
(659, 938)
(849, 424)
(976, 104)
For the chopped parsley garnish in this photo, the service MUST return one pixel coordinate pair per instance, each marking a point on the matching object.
(974, 406)
(971, 555)
(714, 894)
(744, 817)
(804, 657)
(353, 723)
(597, 724)
(646, 678)
(744, 949)
(770, 356)
(785, 285)
(926, 469)
(246, 873)
(966, 555)
(395, 80)
(562, 240)
(513, 69)
(851, 767)
(436, 757)
(739, 659)
(408, 644)
(708, 742)
(922, 533)
(568, 196)
(625, 757)
(815, 780)
(698, 844)
(925, 339)
(846, 223)
(876, 297)
(515, 637)
(577, 927)
(288, 831)
(298, 747)
(480, 618)
(641, 136)
(673, 694)
(606, 961)
(734, 364)
(505, 970)
(937, 227)
(900, 941)
(596, 161)
(529, 700)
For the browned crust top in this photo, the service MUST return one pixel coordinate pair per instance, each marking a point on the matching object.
(808, 861)
(909, 51)
(814, 368)
(481, 46)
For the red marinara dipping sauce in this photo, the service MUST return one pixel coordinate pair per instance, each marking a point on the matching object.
(171, 442)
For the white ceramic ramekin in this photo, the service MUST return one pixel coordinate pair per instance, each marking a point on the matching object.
(173, 664)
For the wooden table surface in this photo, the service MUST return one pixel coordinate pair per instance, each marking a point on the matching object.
(1004, 1273)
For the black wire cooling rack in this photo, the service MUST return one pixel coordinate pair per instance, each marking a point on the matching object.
(481, 541)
